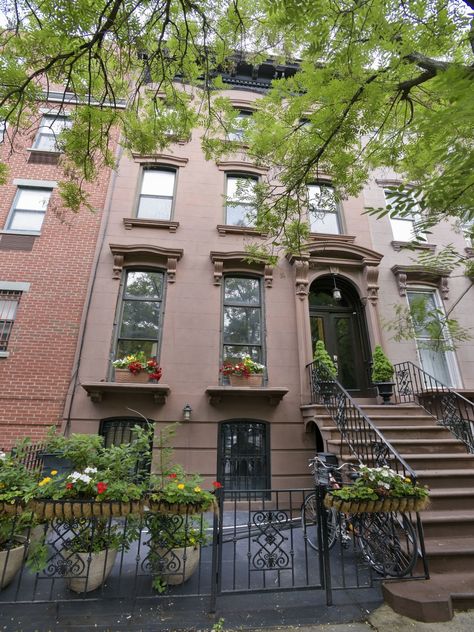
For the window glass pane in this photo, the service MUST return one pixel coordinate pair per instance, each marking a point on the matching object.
(158, 182)
(23, 220)
(240, 123)
(33, 199)
(421, 305)
(140, 319)
(55, 124)
(234, 353)
(321, 198)
(245, 291)
(46, 142)
(242, 324)
(434, 361)
(8, 309)
(155, 208)
(402, 229)
(324, 298)
(146, 284)
(240, 214)
(240, 188)
(244, 463)
(324, 223)
(127, 347)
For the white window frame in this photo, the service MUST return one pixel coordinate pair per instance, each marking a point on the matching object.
(14, 210)
(451, 360)
(322, 210)
(397, 222)
(46, 131)
(230, 202)
(142, 195)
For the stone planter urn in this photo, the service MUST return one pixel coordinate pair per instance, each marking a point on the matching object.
(177, 565)
(90, 575)
(10, 563)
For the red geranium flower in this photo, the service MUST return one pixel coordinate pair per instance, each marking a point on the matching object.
(172, 475)
(101, 487)
(69, 485)
(216, 485)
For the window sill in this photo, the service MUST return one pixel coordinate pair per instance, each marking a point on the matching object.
(97, 390)
(44, 156)
(410, 245)
(136, 222)
(27, 233)
(4, 354)
(334, 237)
(274, 394)
(229, 229)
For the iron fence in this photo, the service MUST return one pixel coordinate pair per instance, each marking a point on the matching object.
(282, 542)
(452, 410)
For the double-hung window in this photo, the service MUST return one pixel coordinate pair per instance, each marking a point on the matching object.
(140, 321)
(404, 227)
(242, 319)
(240, 200)
(8, 305)
(49, 131)
(239, 126)
(3, 127)
(157, 194)
(28, 210)
(323, 210)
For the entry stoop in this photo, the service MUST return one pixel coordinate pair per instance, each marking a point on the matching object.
(430, 600)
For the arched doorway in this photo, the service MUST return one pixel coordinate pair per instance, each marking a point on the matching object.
(341, 324)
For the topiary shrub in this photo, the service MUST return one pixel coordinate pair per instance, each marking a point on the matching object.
(323, 362)
(382, 368)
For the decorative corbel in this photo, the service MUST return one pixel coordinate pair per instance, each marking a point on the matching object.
(372, 277)
(301, 278)
(402, 283)
(444, 288)
(218, 271)
(118, 266)
(268, 276)
(171, 269)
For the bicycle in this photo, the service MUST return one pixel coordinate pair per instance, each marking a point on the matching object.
(387, 541)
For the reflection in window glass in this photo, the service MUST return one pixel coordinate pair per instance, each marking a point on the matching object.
(156, 196)
(242, 319)
(29, 208)
(140, 320)
(240, 200)
(404, 226)
(49, 131)
(239, 126)
(323, 210)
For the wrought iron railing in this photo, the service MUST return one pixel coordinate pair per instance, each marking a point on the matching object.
(452, 410)
(363, 440)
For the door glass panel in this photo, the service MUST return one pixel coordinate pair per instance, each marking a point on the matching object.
(324, 298)
(317, 329)
(346, 359)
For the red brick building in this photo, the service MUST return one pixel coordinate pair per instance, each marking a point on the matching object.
(46, 258)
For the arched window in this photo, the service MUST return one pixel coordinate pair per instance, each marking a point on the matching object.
(244, 461)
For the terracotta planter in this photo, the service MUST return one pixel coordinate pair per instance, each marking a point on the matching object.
(124, 375)
(177, 565)
(253, 381)
(10, 564)
(90, 575)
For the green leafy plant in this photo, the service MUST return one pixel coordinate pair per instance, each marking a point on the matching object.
(323, 362)
(17, 484)
(382, 368)
(137, 362)
(179, 488)
(245, 367)
(376, 483)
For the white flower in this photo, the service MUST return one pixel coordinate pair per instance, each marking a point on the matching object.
(3, 455)
(77, 476)
(90, 470)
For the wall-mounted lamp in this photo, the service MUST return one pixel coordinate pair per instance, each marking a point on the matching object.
(187, 410)
(336, 293)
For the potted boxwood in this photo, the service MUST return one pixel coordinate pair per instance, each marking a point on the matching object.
(324, 370)
(382, 374)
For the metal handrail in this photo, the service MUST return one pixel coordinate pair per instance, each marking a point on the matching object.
(365, 441)
(451, 410)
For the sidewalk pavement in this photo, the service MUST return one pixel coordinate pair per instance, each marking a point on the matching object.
(384, 619)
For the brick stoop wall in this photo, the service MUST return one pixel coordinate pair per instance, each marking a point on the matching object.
(35, 377)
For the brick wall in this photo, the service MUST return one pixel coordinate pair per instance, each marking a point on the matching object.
(34, 379)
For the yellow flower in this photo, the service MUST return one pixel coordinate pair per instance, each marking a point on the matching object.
(197, 489)
(407, 480)
(45, 480)
(54, 472)
(181, 486)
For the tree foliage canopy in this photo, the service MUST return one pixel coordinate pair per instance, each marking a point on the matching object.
(380, 83)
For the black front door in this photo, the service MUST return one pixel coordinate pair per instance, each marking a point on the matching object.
(341, 325)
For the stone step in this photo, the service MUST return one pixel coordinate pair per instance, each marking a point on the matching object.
(443, 479)
(402, 410)
(451, 498)
(406, 446)
(454, 523)
(440, 461)
(400, 432)
(448, 555)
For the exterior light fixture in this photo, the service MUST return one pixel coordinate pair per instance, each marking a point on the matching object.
(187, 410)
(336, 293)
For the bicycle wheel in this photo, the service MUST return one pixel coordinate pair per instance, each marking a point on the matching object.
(309, 519)
(387, 541)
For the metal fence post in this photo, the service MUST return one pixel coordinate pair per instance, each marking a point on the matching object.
(216, 539)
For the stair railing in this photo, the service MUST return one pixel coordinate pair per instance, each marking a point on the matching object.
(365, 442)
(451, 410)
